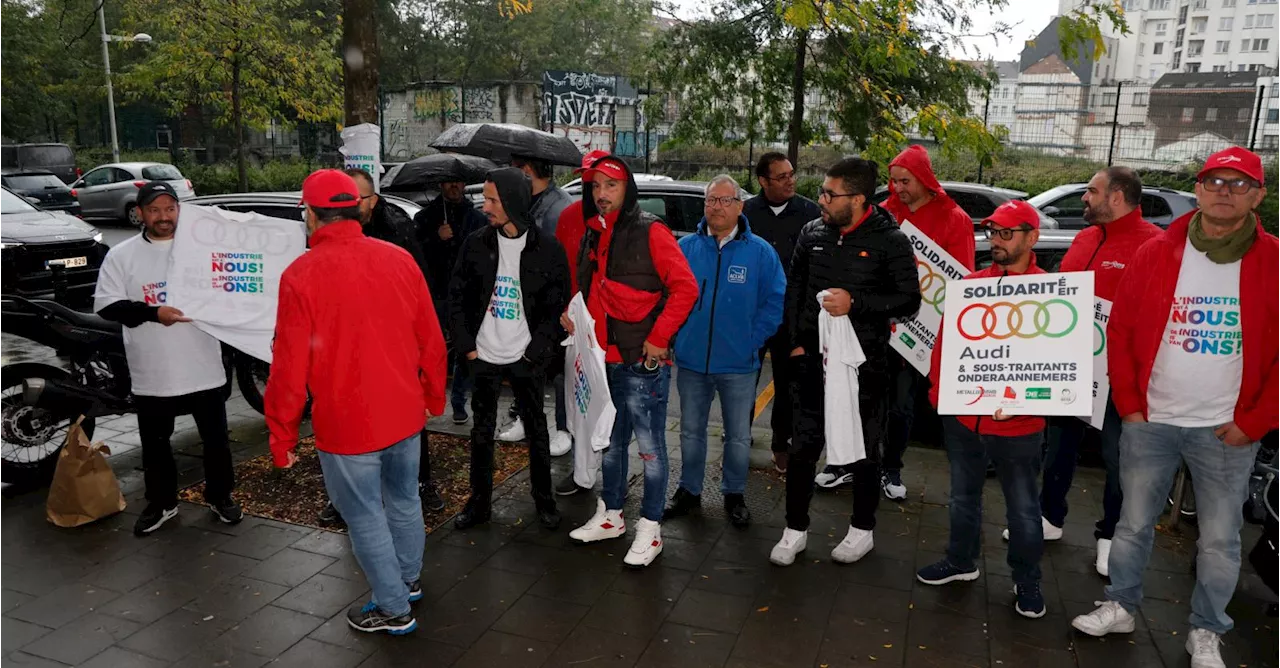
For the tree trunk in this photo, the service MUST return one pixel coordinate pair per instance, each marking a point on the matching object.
(797, 99)
(237, 119)
(360, 61)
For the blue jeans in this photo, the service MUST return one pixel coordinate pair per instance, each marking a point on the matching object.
(1017, 460)
(640, 398)
(1149, 457)
(737, 403)
(377, 494)
(1060, 469)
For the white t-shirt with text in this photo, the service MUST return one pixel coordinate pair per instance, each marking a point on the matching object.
(504, 334)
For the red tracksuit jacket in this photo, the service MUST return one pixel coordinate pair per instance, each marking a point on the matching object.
(1107, 249)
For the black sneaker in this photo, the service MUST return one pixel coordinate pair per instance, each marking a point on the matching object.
(469, 518)
(567, 487)
(1029, 600)
(460, 417)
(228, 512)
(682, 503)
(415, 590)
(369, 619)
(736, 507)
(330, 516)
(152, 517)
(550, 519)
(431, 501)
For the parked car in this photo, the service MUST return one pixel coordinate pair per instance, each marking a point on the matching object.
(58, 159)
(47, 190)
(31, 241)
(1064, 204)
(286, 205)
(977, 199)
(111, 190)
(679, 204)
(1050, 249)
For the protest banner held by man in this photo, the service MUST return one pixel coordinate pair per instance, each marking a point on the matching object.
(1192, 356)
(717, 350)
(639, 291)
(442, 225)
(176, 368)
(509, 289)
(549, 201)
(776, 215)
(857, 255)
(356, 331)
(915, 196)
(1116, 230)
(1011, 443)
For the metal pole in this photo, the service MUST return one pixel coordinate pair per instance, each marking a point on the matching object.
(986, 110)
(462, 100)
(111, 99)
(1115, 124)
(1257, 116)
(647, 148)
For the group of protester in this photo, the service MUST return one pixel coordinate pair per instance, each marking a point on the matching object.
(817, 287)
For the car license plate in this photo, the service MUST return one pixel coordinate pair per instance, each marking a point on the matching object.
(68, 262)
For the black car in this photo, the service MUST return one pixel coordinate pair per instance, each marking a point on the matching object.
(57, 159)
(1050, 249)
(48, 191)
(1065, 204)
(977, 199)
(32, 241)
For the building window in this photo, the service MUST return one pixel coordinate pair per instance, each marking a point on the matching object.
(1199, 25)
(1142, 49)
(1266, 20)
(1273, 115)
(1201, 4)
(1248, 21)
(1222, 46)
(1219, 68)
(1261, 45)
(1108, 99)
(1162, 28)
(1177, 60)
(1188, 113)
(1271, 142)
(1244, 46)
(1241, 68)
(1195, 48)
(1225, 23)
(1140, 99)
(1159, 4)
(1228, 3)
(1193, 67)
(164, 137)
(1211, 114)
(1157, 49)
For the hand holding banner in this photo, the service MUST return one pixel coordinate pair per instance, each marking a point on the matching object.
(914, 338)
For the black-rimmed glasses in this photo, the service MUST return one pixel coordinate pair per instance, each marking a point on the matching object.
(1005, 233)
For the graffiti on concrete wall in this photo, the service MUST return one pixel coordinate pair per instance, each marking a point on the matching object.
(587, 138)
(480, 104)
(579, 99)
(436, 103)
(636, 144)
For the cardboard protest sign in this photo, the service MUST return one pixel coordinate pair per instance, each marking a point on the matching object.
(1101, 382)
(914, 338)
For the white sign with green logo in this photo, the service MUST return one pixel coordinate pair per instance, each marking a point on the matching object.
(1101, 381)
(914, 338)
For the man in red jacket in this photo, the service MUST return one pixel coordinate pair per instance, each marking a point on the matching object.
(1192, 360)
(1013, 443)
(915, 196)
(356, 328)
(1116, 231)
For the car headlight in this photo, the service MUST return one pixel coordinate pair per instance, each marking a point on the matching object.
(98, 237)
(6, 245)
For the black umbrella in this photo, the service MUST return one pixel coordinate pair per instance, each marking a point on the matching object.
(418, 173)
(501, 141)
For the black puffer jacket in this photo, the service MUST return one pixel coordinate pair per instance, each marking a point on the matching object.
(388, 222)
(874, 263)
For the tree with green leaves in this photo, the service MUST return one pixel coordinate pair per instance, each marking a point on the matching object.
(881, 68)
(245, 62)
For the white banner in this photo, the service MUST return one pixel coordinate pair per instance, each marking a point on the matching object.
(914, 338)
(362, 149)
(1101, 381)
(1023, 344)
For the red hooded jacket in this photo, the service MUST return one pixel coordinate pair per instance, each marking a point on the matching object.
(1016, 426)
(569, 231)
(1107, 249)
(941, 219)
(1141, 313)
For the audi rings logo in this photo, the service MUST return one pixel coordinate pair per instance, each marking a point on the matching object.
(1054, 318)
(932, 280)
(240, 237)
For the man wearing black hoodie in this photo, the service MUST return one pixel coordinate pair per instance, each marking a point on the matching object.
(856, 254)
(509, 287)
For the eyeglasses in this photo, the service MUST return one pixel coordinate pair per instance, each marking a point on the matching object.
(722, 201)
(823, 193)
(1215, 184)
(786, 176)
(365, 197)
(1005, 233)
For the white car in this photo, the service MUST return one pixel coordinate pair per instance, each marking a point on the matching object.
(111, 190)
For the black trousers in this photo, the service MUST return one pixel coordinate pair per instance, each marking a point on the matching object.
(781, 421)
(155, 427)
(526, 385)
(424, 466)
(809, 439)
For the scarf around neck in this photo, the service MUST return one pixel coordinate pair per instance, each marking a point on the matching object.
(1223, 250)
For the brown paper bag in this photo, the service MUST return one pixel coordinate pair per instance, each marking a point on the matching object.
(84, 487)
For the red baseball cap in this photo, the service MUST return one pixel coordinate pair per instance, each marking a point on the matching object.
(330, 189)
(1241, 160)
(610, 167)
(1014, 213)
(590, 159)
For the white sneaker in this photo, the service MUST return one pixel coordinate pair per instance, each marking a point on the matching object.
(1202, 645)
(891, 485)
(833, 476)
(561, 443)
(605, 524)
(1110, 617)
(1050, 532)
(856, 544)
(793, 542)
(1104, 554)
(647, 545)
(514, 432)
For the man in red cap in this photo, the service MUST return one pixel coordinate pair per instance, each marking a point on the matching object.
(357, 331)
(915, 196)
(1192, 358)
(1013, 443)
(639, 290)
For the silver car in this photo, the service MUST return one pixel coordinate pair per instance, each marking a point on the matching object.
(111, 190)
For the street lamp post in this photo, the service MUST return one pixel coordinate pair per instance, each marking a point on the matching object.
(106, 65)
